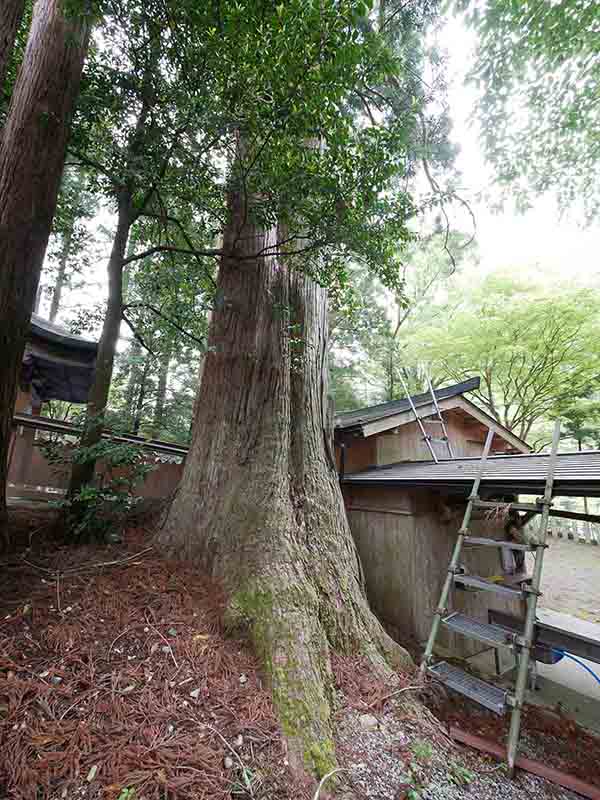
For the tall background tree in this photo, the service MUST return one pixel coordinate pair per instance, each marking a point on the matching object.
(32, 154)
(71, 243)
(535, 351)
(372, 327)
(10, 19)
(138, 143)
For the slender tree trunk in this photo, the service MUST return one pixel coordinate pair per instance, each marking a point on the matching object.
(61, 274)
(32, 153)
(141, 398)
(161, 393)
(38, 299)
(98, 397)
(133, 381)
(11, 14)
(259, 505)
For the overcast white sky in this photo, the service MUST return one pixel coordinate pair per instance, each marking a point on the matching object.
(511, 240)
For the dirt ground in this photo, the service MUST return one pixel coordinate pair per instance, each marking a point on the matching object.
(571, 579)
(118, 681)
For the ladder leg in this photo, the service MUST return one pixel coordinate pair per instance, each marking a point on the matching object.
(426, 438)
(536, 580)
(525, 654)
(521, 685)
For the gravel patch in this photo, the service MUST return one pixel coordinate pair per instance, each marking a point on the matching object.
(407, 757)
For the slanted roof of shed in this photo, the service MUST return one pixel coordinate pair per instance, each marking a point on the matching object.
(47, 331)
(57, 365)
(576, 474)
(353, 419)
(365, 422)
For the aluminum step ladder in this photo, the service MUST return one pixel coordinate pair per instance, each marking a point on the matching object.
(422, 421)
(492, 697)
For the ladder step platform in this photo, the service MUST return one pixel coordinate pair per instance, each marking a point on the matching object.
(495, 635)
(483, 693)
(477, 582)
(529, 548)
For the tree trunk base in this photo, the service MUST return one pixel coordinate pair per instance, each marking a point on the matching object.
(259, 506)
(298, 608)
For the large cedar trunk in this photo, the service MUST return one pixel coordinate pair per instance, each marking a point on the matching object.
(259, 505)
(32, 153)
(11, 13)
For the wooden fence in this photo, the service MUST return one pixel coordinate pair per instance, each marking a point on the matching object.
(31, 476)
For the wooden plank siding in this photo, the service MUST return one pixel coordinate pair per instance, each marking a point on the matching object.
(405, 539)
(359, 454)
(466, 437)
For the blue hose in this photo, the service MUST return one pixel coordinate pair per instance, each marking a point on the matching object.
(577, 661)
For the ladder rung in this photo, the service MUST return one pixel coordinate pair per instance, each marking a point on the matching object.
(498, 543)
(488, 586)
(433, 439)
(484, 693)
(495, 635)
(433, 421)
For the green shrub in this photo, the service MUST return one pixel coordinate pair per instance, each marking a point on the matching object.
(104, 504)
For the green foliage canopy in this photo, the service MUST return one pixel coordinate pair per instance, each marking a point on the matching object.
(535, 352)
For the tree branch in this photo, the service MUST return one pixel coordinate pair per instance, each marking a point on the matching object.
(172, 322)
(135, 332)
(165, 248)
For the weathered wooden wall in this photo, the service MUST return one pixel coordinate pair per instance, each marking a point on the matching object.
(467, 439)
(405, 443)
(405, 539)
(30, 474)
(359, 454)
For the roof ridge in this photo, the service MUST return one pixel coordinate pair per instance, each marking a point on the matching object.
(422, 397)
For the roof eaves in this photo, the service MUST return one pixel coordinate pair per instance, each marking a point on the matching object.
(49, 332)
(391, 408)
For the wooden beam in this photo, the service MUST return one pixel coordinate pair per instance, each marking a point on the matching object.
(534, 767)
(528, 507)
(558, 512)
(487, 420)
(380, 510)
